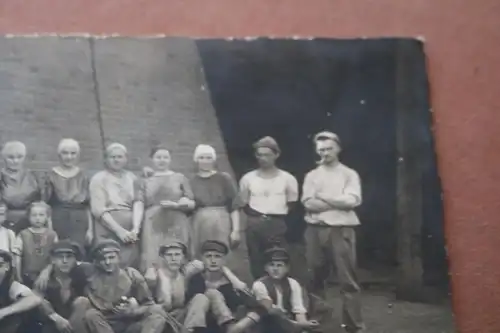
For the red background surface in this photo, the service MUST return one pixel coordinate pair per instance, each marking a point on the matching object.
(462, 44)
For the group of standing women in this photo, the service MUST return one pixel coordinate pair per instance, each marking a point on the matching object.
(142, 213)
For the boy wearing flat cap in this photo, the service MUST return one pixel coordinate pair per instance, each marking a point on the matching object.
(280, 296)
(330, 194)
(212, 298)
(119, 300)
(268, 194)
(59, 294)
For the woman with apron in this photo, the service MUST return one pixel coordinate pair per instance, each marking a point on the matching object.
(217, 203)
(114, 205)
(19, 187)
(167, 197)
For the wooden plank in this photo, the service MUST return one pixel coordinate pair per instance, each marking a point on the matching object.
(409, 175)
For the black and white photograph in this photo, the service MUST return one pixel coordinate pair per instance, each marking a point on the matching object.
(258, 185)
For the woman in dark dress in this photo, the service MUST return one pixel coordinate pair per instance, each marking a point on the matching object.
(19, 187)
(68, 195)
(217, 203)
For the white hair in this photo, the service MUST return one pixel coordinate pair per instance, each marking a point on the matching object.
(203, 149)
(17, 146)
(116, 145)
(68, 143)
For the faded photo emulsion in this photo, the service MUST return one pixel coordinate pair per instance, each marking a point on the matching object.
(175, 185)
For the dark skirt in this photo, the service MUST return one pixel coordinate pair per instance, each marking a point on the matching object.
(70, 222)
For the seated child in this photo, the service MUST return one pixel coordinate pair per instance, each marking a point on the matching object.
(213, 303)
(33, 244)
(280, 296)
(168, 281)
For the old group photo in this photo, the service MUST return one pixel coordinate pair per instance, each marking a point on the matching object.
(175, 185)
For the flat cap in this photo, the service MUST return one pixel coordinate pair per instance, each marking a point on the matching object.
(66, 246)
(174, 244)
(103, 246)
(267, 142)
(327, 135)
(276, 254)
(214, 245)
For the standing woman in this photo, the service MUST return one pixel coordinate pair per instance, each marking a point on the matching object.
(68, 195)
(19, 187)
(217, 203)
(167, 197)
(114, 205)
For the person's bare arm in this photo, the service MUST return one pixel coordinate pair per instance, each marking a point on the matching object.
(23, 304)
(138, 214)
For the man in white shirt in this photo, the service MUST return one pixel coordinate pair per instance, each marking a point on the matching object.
(267, 194)
(330, 193)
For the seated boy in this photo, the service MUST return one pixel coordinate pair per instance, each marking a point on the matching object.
(280, 296)
(168, 281)
(212, 301)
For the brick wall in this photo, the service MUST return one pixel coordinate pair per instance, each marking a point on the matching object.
(150, 90)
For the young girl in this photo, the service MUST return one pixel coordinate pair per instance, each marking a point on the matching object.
(33, 244)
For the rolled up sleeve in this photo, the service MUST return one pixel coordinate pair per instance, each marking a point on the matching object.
(353, 188)
(297, 299)
(260, 291)
(307, 188)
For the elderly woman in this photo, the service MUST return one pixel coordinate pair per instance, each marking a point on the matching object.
(113, 202)
(15, 299)
(19, 187)
(167, 196)
(67, 193)
(217, 203)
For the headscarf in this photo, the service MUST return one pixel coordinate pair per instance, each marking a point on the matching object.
(68, 143)
(116, 145)
(203, 149)
(14, 146)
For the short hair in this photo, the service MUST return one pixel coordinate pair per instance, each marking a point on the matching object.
(48, 209)
(157, 148)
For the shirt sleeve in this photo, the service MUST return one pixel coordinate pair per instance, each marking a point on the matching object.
(244, 190)
(187, 191)
(12, 240)
(18, 246)
(97, 197)
(297, 299)
(353, 187)
(308, 188)
(18, 290)
(292, 189)
(231, 190)
(260, 291)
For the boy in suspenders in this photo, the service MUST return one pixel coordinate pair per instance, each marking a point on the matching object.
(281, 296)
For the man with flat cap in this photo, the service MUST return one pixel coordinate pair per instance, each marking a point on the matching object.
(119, 299)
(331, 192)
(168, 281)
(213, 302)
(59, 294)
(267, 193)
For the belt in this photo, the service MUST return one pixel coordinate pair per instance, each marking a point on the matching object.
(254, 213)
